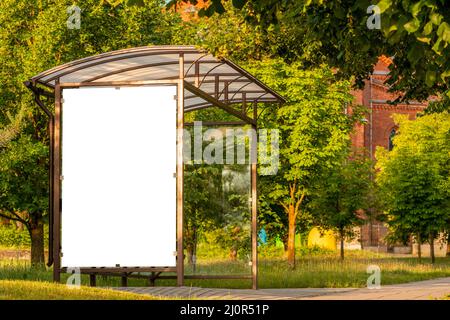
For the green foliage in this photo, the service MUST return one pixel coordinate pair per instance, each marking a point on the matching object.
(273, 218)
(416, 32)
(227, 35)
(35, 37)
(216, 199)
(438, 106)
(313, 123)
(12, 237)
(202, 202)
(270, 251)
(24, 188)
(415, 177)
(23, 178)
(10, 131)
(334, 32)
(314, 129)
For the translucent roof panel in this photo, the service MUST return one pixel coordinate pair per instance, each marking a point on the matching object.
(218, 77)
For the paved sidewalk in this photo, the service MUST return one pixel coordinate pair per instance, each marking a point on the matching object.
(423, 290)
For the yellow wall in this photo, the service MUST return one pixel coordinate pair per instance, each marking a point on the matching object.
(326, 241)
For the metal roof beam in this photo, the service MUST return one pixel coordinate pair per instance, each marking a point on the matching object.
(154, 50)
(229, 92)
(142, 66)
(200, 93)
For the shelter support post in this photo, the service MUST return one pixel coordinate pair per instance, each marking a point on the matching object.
(254, 173)
(179, 174)
(50, 174)
(51, 129)
(38, 92)
(57, 187)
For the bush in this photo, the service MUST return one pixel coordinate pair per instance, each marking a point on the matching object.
(271, 251)
(11, 236)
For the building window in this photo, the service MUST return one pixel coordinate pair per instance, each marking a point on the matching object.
(391, 137)
(190, 9)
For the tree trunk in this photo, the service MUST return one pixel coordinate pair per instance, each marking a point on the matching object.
(285, 242)
(432, 248)
(341, 236)
(190, 254)
(291, 237)
(194, 255)
(233, 254)
(191, 247)
(448, 246)
(419, 249)
(36, 230)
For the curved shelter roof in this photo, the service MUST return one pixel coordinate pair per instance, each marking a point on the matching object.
(218, 78)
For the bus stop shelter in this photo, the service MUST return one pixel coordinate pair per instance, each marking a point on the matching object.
(87, 109)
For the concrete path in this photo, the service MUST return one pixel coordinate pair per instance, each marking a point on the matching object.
(423, 290)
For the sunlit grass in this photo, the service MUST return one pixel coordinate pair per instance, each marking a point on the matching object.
(36, 290)
(328, 271)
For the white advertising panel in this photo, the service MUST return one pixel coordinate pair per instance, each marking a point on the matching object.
(118, 187)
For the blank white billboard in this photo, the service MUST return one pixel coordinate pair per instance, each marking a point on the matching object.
(118, 165)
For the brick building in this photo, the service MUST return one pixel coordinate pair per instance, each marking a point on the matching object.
(378, 130)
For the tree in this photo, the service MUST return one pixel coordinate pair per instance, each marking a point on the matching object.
(272, 216)
(34, 37)
(416, 33)
(227, 35)
(339, 197)
(438, 106)
(23, 189)
(234, 232)
(202, 203)
(231, 36)
(13, 129)
(414, 178)
(314, 130)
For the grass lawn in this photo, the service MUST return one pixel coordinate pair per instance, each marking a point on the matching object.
(36, 290)
(314, 270)
(326, 271)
